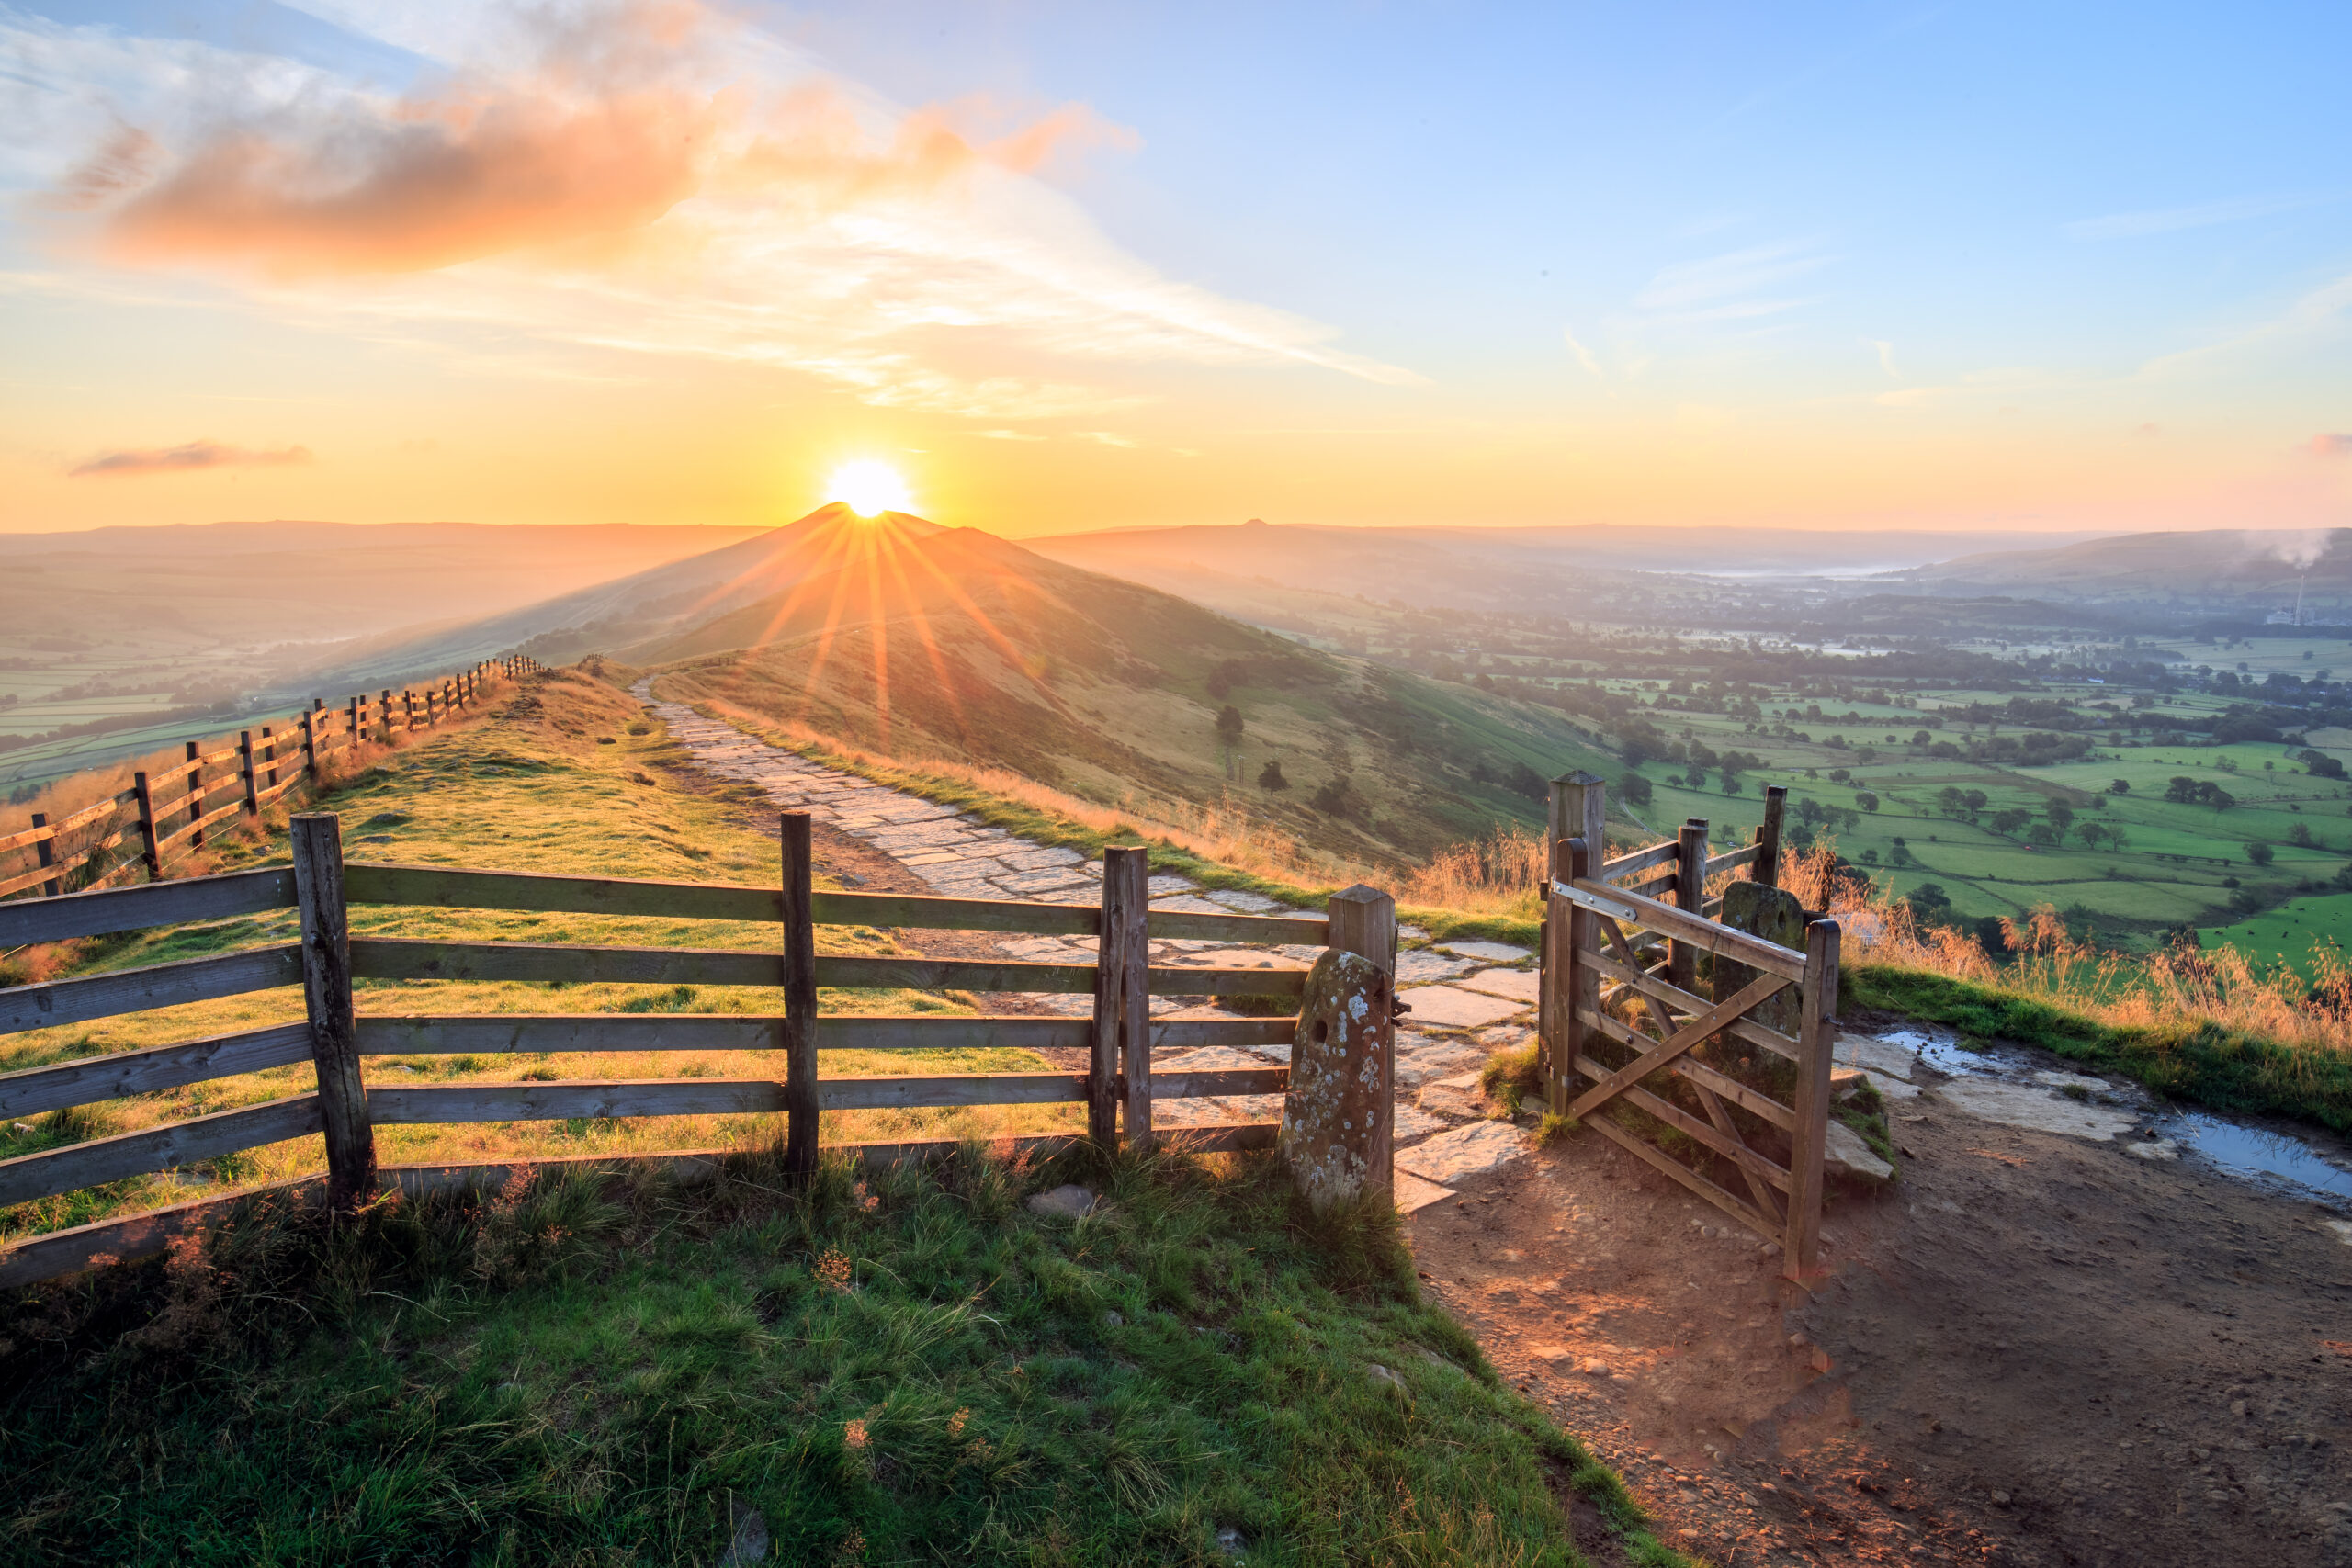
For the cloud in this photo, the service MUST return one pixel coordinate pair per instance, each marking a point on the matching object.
(182, 459)
(1008, 435)
(1726, 287)
(1886, 352)
(2170, 220)
(1583, 354)
(2331, 445)
(1104, 437)
(650, 179)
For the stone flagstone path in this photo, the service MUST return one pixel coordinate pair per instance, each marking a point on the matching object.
(1468, 999)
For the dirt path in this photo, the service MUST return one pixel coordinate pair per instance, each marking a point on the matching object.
(2038, 1349)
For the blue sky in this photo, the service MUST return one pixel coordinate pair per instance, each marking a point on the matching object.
(2007, 266)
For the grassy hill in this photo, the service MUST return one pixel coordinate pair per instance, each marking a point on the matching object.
(960, 646)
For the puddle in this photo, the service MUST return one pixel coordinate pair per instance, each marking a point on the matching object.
(2234, 1147)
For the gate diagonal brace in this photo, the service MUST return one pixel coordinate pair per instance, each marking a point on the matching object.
(1763, 989)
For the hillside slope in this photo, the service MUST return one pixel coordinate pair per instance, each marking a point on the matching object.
(962, 645)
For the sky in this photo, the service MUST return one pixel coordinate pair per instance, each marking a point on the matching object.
(1068, 266)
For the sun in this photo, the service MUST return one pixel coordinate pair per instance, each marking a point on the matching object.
(869, 488)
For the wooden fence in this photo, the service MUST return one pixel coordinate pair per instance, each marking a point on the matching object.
(1118, 1087)
(167, 814)
(1607, 921)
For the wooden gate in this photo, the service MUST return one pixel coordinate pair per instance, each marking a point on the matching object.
(1631, 1047)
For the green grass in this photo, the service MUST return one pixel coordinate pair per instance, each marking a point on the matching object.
(2198, 1060)
(906, 1366)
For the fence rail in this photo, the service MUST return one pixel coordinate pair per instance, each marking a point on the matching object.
(171, 809)
(1119, 1086)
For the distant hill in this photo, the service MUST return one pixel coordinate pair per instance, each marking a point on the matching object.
(960, 645)
(1252, 568)
(2242, 572)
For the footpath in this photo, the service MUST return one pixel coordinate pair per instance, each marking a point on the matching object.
(1469, 999)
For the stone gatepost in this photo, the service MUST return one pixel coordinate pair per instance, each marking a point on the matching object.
(1335, 1113)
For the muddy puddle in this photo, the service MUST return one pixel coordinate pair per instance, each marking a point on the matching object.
(2014, 1087)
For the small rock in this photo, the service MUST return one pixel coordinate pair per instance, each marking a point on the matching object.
(1379, 1373)
(2000, 1499)
(751, 1542)
(1846, 1155)
(1072, 1202)
(1112, 1320)
(1231, 1542)
(2154, 1149)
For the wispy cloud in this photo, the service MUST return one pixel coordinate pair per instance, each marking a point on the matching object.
(1104, 437)
(2170, 220)
(646, 178)
(1008, 435)
(1737, 286)
(2314, 316)
(1583, 354)
(194, 456)
(1886, 352)
(2331, 446)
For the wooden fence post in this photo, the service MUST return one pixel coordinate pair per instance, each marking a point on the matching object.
(45, 854)
(195, 794)
(384, 713)
(351, 721)
(269, 755)
(326, 994)
(1767, 866)
(1363, 921)
(800, 1117)
(245, 771)
(1816, 1039)
(310, 743)
(148, 837)
(1691, 894)
(1122, 1003)
(1579, 808)
(1576, 984)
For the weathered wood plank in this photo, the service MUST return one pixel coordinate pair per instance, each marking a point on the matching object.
(443, 887)
(273, 792)
(156, 985)
(1752, 1100)
(578, 1100)
(1269, 930)
(1680, 926)
(93, 1078)
(400, 958)
(156, 1148)
(1817, 1031)
(1216, 1083)
(1119, 1067)
(97, 913)
(979, 1088)
(797, 939)
(924, 1032)
(1734, 860)
(1693, 1033)
(1673, 1115)
(1625, 865)
(1188, 1033)
(1650, 984)
(909, 911)
(951, 974)
(451, 1035)
(1185, 980)
(317, 842)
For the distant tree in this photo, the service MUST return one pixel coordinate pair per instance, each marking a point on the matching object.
(1635, 789)
(1526, 783)
(1228, 724)
(2090, 833)
(1928, 899)
(1335, 797)
(2260, 854)
(1866, 800)
(1731, 782)
(1271, 776)
(1921, 737)
(2181, 790)
(1992, 937)
(2008, 822)
(2301, 837)
(2061, 817)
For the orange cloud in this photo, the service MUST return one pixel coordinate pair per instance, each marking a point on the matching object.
(181, 459)
(614, 126)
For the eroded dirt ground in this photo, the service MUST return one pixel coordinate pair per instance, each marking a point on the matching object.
(2033, 1350)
